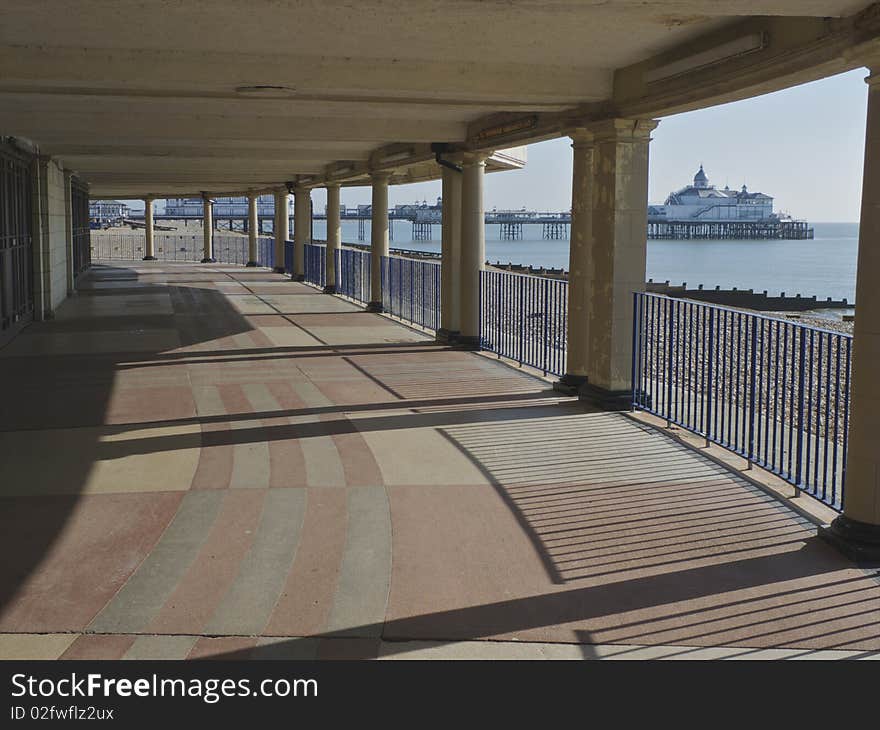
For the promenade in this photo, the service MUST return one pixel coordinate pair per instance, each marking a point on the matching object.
(214, 461)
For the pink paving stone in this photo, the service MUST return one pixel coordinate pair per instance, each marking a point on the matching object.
(74, 554)
(304, 605)
(203, 586)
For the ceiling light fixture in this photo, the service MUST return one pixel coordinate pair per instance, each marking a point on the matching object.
(266, 91)
(502, 130)
(724, 52)
(396, 157)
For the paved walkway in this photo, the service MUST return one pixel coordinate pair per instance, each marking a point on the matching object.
(214, 461)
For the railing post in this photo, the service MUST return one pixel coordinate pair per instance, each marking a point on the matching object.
(753, 376)
(670, 335)
(521, 319)
(710, 374)
(635, 343)
(802, 358)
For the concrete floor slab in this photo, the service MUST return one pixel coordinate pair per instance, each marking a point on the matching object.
(342, 487)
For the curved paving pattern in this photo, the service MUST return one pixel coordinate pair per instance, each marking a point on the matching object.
(203, 461)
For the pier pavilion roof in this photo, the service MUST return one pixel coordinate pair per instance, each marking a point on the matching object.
(170, 98)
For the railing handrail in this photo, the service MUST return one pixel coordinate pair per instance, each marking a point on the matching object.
(749, 312)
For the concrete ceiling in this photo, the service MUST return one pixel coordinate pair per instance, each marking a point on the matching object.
(157, 97)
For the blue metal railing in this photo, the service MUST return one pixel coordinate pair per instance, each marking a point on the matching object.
(771, 390)
(315, 262)
(411, 290)
(288, 257)
(266, 251)
(524, 318)
(353, 274)
(230, 249)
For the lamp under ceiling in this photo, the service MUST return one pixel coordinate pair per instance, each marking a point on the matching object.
(266, 91)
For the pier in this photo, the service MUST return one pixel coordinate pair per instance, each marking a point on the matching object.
(737, 230)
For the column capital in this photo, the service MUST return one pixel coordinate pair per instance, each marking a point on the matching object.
(380, 175)
(469, 159)
(581, 137)
(621, 129)
(334, 185)
(873, 80)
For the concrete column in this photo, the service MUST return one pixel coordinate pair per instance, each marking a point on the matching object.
(208, 230)
(450, 249)
(378, 238)
(302, 229)
(617, 256)
(334, 236)
(857, 531)
(473, 247)
(253, 225)
(282, 231)
(149, 246)
(580, 277)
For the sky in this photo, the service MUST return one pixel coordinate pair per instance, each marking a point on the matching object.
(804, 146)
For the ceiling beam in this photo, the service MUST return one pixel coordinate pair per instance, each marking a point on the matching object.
(317, 77)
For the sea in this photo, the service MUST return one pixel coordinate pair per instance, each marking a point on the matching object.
(824, 266)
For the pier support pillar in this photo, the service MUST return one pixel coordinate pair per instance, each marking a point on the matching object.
(334, 238)
(302, 230)
(149, 244)
(208, 230)
(473, 248)
(580, 276)
(282, 232)
(856, 532)
(252, 230)
(450, 248)
(617, 256)
(378, 238)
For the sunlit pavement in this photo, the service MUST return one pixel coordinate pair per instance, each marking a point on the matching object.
(214, 461)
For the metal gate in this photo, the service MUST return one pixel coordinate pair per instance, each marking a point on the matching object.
(79, 203)
(16, 242)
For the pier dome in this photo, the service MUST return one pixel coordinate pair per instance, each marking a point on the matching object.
(700, 179)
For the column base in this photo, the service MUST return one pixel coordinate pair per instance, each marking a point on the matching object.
(468, 342)
(252, 264)
(859, 541)
(206, 260)
(330, 289)
(607, 400)
(570, 384)
(279, 270)
(446, 336)
(150, 258)
(297, 277)
(375, 307)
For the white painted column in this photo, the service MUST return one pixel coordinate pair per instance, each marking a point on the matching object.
(253, 226)
(302, 229)
(208, 230)
(149, 246)
(334, 236)
(618, 256)
(580, 269)
(282, 225)
(473, 247)
(378, 238)
(857, 531)
(450, 248)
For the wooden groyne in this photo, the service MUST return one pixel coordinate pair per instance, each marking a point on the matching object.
(747, 298)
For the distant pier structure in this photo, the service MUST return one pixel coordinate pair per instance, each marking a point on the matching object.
(702, 211)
